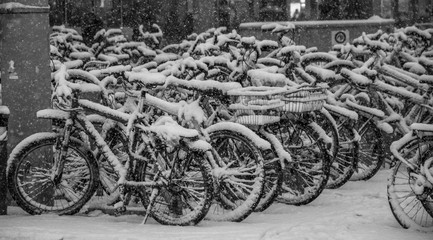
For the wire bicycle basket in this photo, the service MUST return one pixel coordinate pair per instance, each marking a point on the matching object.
(304, 99)
(257, 105)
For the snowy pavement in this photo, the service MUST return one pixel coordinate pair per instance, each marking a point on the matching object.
(358, 210)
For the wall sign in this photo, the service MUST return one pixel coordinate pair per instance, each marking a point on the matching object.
(340, 37)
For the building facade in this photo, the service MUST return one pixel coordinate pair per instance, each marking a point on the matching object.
(182, 17)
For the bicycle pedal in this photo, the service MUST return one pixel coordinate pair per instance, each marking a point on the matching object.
(119, 208)
(119, 211)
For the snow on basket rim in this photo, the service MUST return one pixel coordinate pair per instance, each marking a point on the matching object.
(304, 99)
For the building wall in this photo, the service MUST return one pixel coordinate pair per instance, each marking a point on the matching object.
(321, 34)
(182, 17)
(25, 76)
(24, 66)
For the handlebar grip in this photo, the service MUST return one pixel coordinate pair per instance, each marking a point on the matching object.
(267, 45)
(248, 41)
(321, 75)
(355, 78)
(289, 50)
(146, 78)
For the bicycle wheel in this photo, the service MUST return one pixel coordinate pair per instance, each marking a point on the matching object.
(371, 153)
(346, 160)
(240, 178)
(30, 179)
(273, 182)
(411, 207)
(108, 193)
(341, 168)
(186, 195)
(306, 176)
(328, 123)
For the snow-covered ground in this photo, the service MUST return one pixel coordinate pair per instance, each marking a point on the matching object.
(358, 210)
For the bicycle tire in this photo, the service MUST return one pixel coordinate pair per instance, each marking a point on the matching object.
(343, 150)
(273, 182)
(328, 123)
(187, 196)
(411, 210)
(346, 160)
(239, 189)
(371, 150)
(307, 175)
(65, 197)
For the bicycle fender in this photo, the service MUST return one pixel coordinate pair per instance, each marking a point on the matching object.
(261, 143)
(62, 115)
(52, 114)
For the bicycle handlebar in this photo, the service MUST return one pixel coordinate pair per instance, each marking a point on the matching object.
(375, 45)
(355, 78)
(113, 70)
(208, 86)
(398, 91)
(145, 78)
(79, 74)
(320, 74)
(293, 50)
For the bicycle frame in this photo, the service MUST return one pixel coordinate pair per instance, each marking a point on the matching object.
(81, 119)
(140, 139)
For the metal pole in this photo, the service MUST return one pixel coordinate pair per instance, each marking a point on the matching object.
(121, 14)
(66, 12)
(4, 116)
(3, 153)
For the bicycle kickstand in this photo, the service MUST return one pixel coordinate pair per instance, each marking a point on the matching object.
(155, 192)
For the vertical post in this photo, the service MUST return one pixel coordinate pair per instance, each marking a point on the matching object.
(65, 9)
(287, 9)
(395, 12)
(256, 6)
(121, 14)
(413, 8)
(4, 116)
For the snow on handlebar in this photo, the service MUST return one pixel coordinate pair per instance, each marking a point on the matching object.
(355, 78)
(118, 69)
(199, 85)
(189, 112)
(145, 78)
(375, 45)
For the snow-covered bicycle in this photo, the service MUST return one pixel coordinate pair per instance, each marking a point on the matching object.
(167, 166)
(410, 186)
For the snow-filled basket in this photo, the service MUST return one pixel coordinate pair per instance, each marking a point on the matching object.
(304, 99)
(257, 105)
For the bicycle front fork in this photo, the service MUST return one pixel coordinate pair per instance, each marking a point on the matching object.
(59, 160)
